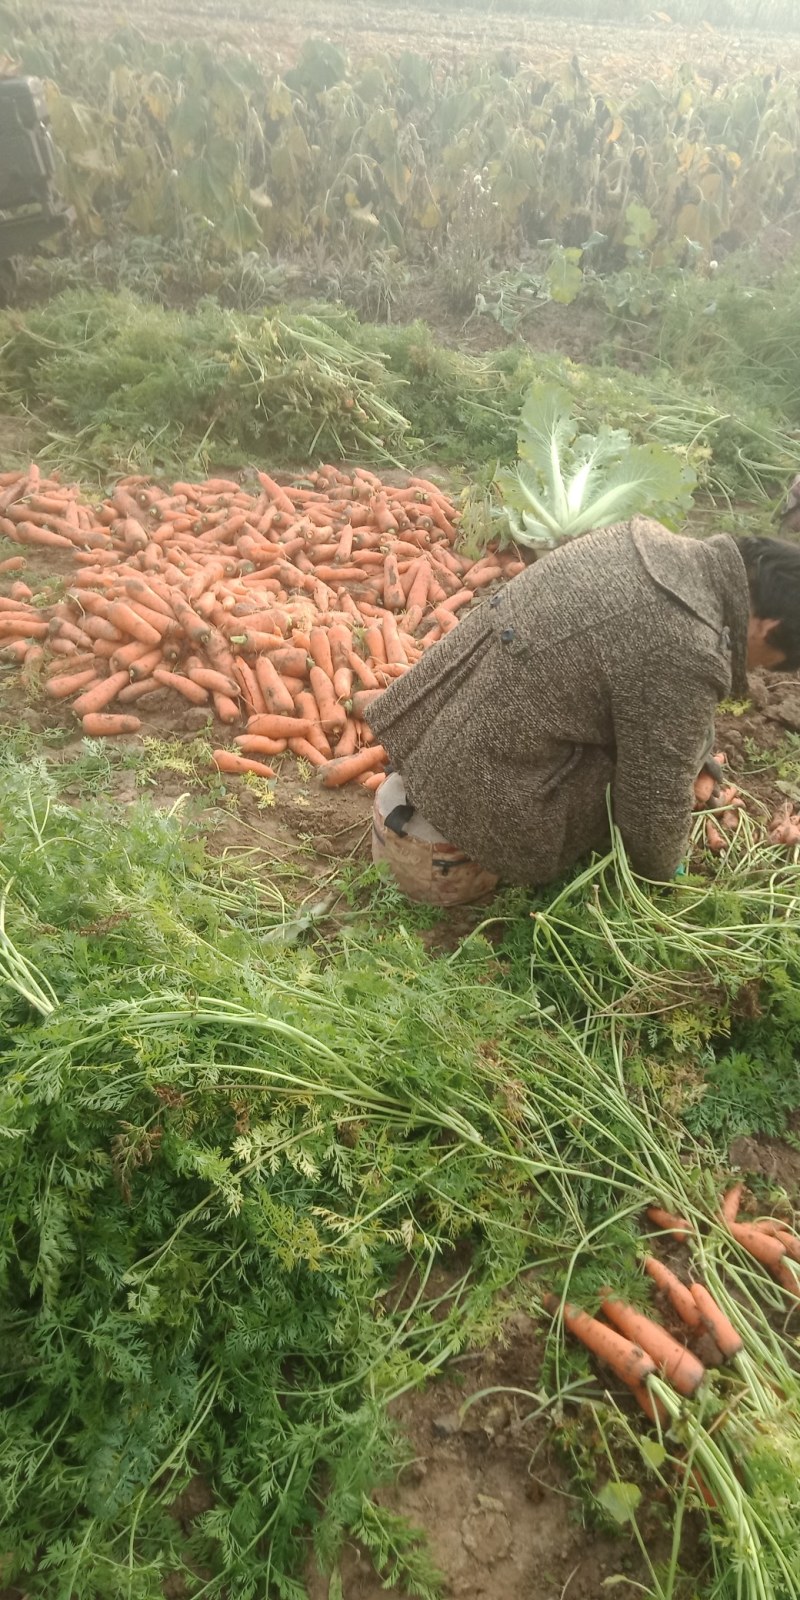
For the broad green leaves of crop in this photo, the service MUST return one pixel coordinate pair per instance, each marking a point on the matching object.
(567, 482)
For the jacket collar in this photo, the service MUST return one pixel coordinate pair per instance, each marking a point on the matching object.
(708, 577)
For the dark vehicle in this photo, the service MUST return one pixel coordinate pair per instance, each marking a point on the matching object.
(30, 207)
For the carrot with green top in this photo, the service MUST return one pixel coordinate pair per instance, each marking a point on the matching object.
(676, 1292)
(628, 1361)
(722, 1331)
(683, 1369)
(678, 1227)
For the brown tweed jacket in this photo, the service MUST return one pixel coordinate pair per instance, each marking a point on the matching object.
(599, 665)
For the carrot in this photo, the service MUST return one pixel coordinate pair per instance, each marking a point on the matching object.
(227, 710)
(291, 662)
(97, 726)
(731, 1203)
(483, 573)
(346, 768)
(228, 761)
(719, 1326)
(384, 518)
(362, 671)
(630, 1363)
(704, 787)
(347, 742)
(676, 1292)
(276, 695)
(145, 664)
(28, 533)
(779, 1230)
(253, 744)
(100, 628)
(61, 629)
(279, 727)
(770, 1252)
(251, 690)
(418, 592)
(129, 619)
(395, 652)
(276, 493)
(34, 661)
(194, 692)
(194, 626)
(373, 780)
(13, 564)
(678, 1227)
(316, 735)
(14, 649)
(12, 627)
(363, 699)
(393, 596)
(715, 840)
(207, 678)
(138, 690)
(374, 641)
(344, 548)
(331, 713)
(788, 1279)
(147, 595)
(69, 683)
(20, 591)
(683, 1370)
(457, 601)
(307, 752)
(320, 651)
(100, 695)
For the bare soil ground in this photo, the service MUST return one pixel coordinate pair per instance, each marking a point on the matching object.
(492, 1490)
(619, 56)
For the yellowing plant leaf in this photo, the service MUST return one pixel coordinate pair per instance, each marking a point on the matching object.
(279, 101)
(616, 129)
(564, 278)
(642, 227)
(430, 217)
(397, 177)
(510, 193)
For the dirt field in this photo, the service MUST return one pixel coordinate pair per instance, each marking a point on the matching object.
(618, 57)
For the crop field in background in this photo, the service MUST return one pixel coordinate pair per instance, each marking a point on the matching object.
(289, 1165)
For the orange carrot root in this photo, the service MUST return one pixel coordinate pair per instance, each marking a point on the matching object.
(718, 1325)
(678, 1227)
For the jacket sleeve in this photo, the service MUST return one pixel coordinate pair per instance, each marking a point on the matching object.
(661, 730)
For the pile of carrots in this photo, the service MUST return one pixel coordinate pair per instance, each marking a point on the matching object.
(635, 1346)
(283, 609)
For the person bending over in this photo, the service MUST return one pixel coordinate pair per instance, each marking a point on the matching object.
(599, 667)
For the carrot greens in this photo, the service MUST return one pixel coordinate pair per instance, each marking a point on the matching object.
(232, 1160)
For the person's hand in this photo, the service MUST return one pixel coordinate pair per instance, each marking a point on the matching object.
(714, 767)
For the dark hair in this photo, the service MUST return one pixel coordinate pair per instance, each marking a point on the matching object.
(773, 576)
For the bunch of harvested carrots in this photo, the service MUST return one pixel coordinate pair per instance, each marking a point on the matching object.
(723, 804)
(284, 609)
(635, 1346)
